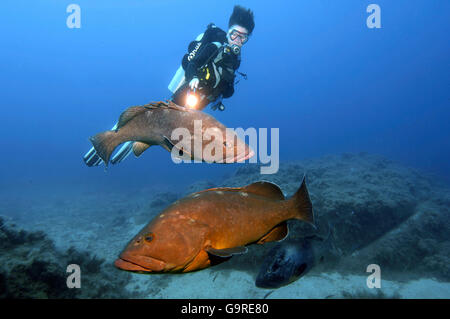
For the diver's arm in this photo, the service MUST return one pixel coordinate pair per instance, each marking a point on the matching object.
(199, 60)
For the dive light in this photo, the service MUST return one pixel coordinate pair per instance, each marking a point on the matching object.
(191, 99)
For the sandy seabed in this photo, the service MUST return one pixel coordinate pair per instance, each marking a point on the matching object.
(381, 212)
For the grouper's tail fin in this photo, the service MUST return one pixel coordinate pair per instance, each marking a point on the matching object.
(302, 205)
(91, 158)
(105, 143)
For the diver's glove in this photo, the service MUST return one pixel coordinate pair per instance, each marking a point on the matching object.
(194, 83)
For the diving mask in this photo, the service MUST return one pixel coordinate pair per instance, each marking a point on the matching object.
(235, 34)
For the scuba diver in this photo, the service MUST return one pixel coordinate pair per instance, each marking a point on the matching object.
(207, 72)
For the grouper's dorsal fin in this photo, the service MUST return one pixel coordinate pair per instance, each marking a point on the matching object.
(261, 188)
(128, 114)
(133, 111)
(158, 104)
(167, 105)
(266, 189)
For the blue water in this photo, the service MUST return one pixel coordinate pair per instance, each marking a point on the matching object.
(315, 70)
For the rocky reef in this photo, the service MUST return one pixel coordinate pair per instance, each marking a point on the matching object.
(31, 267)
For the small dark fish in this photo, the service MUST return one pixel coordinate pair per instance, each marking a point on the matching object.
(293, 258)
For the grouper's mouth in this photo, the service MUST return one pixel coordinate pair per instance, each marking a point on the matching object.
(139, 263)
(249, 153)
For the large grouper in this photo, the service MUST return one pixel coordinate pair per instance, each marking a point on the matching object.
(208, 227)
(203, 138)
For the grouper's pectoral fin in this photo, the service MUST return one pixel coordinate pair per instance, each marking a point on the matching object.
(180, 152)
(167, 144)
(227, 252)
(277, 233)
(199, 262)
(139, 148)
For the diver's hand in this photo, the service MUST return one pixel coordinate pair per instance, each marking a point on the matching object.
(194, 83)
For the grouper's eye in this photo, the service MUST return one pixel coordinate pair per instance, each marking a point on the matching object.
(149, 237)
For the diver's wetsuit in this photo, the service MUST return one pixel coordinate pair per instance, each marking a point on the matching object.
(214, 66)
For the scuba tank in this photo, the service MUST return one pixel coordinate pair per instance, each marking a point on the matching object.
(179, 77)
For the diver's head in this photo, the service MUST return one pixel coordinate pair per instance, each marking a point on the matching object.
(240, 26)
(237, 36)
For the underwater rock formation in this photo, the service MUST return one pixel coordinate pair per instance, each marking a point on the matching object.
(31, 267)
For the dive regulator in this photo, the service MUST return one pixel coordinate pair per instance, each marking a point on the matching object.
(236, 49)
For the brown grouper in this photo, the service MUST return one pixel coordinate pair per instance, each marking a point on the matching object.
(202, 137)
(208, 227)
